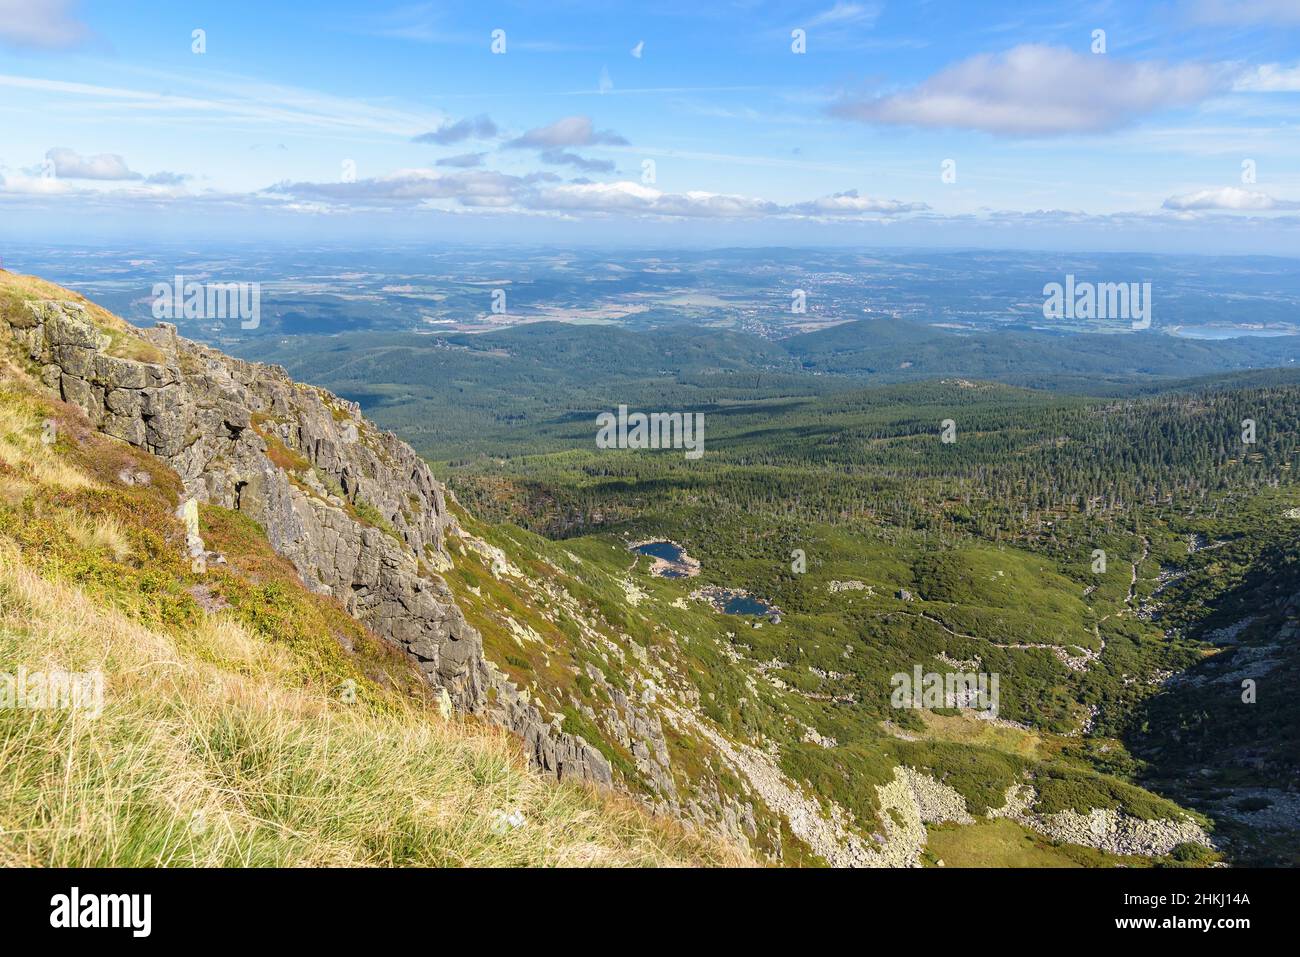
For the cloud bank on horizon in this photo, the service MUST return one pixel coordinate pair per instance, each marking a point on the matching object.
(849, 120)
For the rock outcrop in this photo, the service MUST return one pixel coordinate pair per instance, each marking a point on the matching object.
(356, 511)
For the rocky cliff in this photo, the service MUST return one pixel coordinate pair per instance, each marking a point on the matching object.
(356, 511)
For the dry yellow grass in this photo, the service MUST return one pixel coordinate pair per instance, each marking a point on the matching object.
(192, 763)
(965, 728)
(100, 531)
(24, 451)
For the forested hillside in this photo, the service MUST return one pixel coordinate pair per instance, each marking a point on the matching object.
(509, 392)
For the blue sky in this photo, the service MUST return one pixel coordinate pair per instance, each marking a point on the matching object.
(656, 123)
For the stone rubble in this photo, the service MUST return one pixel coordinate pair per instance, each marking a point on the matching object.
(1105, 829)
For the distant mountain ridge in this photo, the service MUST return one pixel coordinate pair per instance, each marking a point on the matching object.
(894, 349)
(489, 386)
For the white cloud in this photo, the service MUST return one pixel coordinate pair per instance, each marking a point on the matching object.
(849, 202)
(65, 173)
(35, 186)
(68, 164)
(167, 178)
(863, 14)
(1228, 198)
(410, 187)
(598, 197)
(1269, 78)
(565, 158)
(40, 24)
(570, 131)
(1037, 90)
(542, 192)
(629, 197)
(462, 160)
(424, 192)
(479, 128)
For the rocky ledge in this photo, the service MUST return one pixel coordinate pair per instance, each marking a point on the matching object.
(355, 510)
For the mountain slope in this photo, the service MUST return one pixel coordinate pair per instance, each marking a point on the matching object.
(241, 719)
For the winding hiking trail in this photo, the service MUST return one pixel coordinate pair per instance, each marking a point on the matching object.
(1074, 662)
(1080, 663)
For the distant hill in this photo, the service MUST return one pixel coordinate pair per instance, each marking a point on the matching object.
(503, 392)
(896, 349)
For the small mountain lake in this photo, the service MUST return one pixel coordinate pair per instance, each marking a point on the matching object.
(733, 601)
(740, 604)
(665, 550)
(670, 559)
